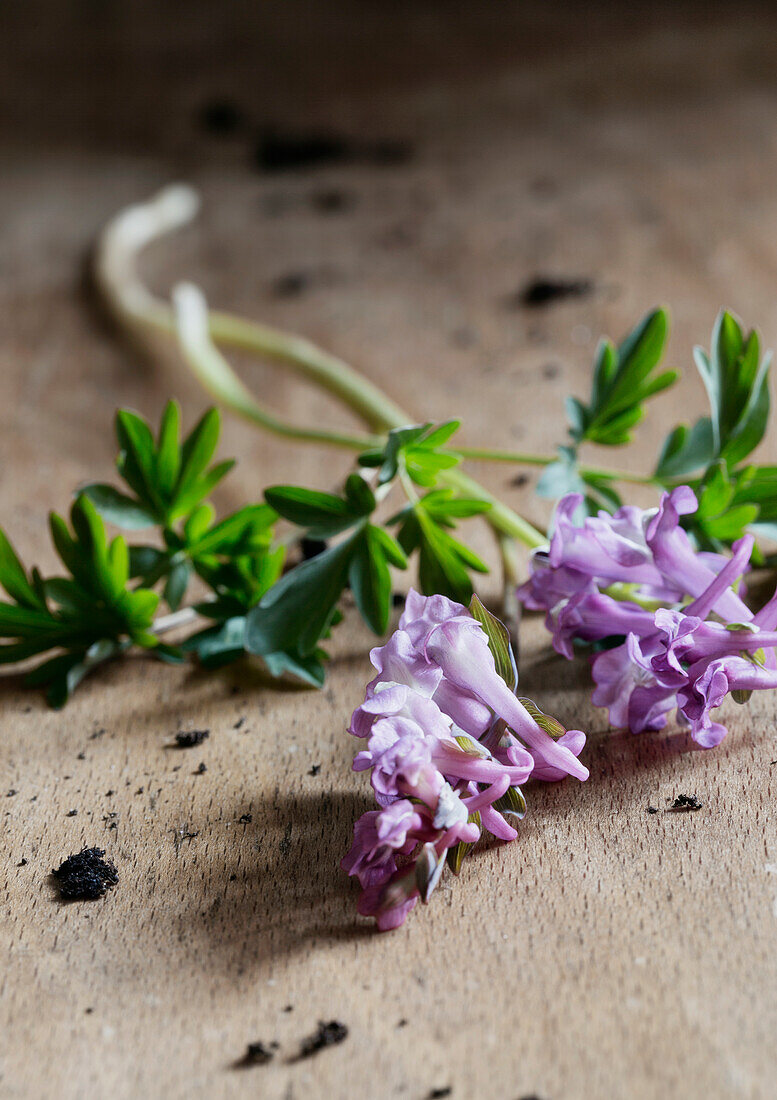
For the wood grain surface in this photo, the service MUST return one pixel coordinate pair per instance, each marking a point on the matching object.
(606, 953)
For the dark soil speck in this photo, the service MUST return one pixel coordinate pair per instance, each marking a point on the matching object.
(220, 117)
(189, 739)
(257, 1054)
(326, 1035)
(543, 291)
(685, 802)
(85, 876)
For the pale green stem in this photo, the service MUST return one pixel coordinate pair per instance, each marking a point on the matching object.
(522, 458)
(511, 606)
(141, 311)
(501, 518)
(190, 324)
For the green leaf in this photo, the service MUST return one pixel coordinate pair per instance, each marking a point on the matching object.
(686, 451)
(546, 722)
(118, 508)
(13, 577)
(389, 546)
(370, 580)
(247, 530)
(297, 611)
(198, 522)
(197, 450)
(498, 642)
(419, 448)
(731, 525)
(736, 380)
(309, 668)
(457, 853)
(136, 460)
(199, 489)
(440, 435)
(323, 514)
(168, 454)
(148, 562)
(559, 478)
(359, 495)
(715, 493)
(398, 440)
(176, 584)
(512, 803)
(440, 569)
(219, 645)
(622, 382)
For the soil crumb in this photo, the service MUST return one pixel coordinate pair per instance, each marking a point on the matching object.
(326, 1035)
(85, 876)
(543, 291)
(686, 802)
(258, 1054)
(189, 739)
(220, 117)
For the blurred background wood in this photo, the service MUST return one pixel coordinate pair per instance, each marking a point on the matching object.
(608, 952)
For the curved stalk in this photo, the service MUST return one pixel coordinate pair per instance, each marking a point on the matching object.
(215, 373)
(523, 458)
(198, 329)
(136, 308)
(194, 333)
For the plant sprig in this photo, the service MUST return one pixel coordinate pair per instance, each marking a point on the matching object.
(250, 598)
(108, 602)
(301, 608)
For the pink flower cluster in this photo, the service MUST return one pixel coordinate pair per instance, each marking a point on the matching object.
(447, 744)
(678, 633)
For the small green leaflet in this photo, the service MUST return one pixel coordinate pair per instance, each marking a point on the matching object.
(457, 853)
(732, 499)
(736, 379)
(623, 379)
(168, 478)
(298, 611)
(91, 615)
(419, 448)
(443, 561)
(323, 514)
(498, 642)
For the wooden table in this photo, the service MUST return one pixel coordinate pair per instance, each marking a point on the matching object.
(607, 953)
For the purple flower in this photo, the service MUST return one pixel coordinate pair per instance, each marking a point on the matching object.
(674, 656)
(447, 745)
(627, 685)
(378, 836)
(457, 644)
(646, 550)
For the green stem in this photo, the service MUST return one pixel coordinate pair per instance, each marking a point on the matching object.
(135, 307)
(522, 458)
(191, 323)
(217, 376)
(502, 519)
(138, 310)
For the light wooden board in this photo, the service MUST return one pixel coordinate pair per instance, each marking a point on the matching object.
(608, 952)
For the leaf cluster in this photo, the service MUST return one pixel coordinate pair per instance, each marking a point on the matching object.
(711, 455)
(299, 611)
(85, 617)
(624, 378)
